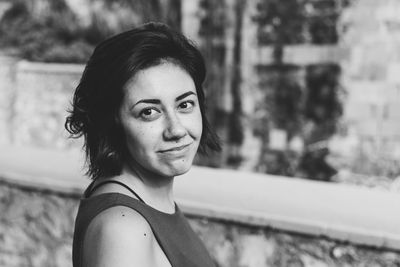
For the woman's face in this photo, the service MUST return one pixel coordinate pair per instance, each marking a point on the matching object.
(160, 115)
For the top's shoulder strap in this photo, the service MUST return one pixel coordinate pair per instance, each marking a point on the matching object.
(93, 188)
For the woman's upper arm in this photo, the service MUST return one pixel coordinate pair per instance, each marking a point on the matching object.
(118, 237)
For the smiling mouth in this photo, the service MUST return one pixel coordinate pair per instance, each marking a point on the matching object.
(175, 149)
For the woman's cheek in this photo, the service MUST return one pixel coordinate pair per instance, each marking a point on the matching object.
(198, 124)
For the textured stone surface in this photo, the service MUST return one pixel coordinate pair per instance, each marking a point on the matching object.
(370, 75)
(371, 30)
(34, 102)
(240, 246)
(36, 230)
(43, 97)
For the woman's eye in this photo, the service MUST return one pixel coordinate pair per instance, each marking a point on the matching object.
(149, 113)
(186, 106)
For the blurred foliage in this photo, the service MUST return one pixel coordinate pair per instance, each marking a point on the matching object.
(212, 43)
(54, 37)
(313, 165)
(298, 21)
(302, 101)
(278, 162)
(58, 35)
(286, 102)
(322, 110)
(323, 105)
(219, 18)
(280, 22)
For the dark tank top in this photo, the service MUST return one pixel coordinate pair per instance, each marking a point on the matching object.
(176, 238)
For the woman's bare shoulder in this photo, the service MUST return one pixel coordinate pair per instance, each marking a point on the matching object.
(118, 236)
(110, 221)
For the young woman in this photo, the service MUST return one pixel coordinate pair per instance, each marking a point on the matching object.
(140, 108)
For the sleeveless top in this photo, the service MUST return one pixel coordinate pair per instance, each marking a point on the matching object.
(176, 238)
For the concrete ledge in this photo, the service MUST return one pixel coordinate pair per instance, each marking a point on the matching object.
(340, 212)
(54, 170)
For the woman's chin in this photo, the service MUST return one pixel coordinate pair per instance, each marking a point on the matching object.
(177, 172)
(176, 169)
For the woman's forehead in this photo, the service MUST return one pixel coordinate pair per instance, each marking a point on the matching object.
(160, 81)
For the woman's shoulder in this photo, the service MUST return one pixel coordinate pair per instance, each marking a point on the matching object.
(114, 234)
(120, 218)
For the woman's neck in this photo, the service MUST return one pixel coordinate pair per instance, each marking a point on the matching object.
(155, 190)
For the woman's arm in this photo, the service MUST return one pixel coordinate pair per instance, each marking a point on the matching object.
(119, 237)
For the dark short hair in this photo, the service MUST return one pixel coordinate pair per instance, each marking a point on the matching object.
(99, 95)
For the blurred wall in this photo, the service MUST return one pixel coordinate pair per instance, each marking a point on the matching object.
(274, 80)
(370, 30)
(34, 103)
(288, 83)
(302, 89)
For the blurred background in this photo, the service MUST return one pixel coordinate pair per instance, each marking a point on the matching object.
(297, 88)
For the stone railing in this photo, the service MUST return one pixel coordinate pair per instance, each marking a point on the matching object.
(245, 219)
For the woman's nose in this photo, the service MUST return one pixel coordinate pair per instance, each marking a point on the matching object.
(174, 129)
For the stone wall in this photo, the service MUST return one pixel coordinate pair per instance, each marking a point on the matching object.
(34, 102)
(36, 229)
(43, 98)
(371, 31)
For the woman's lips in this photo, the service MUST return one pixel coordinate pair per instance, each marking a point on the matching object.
(175, 149)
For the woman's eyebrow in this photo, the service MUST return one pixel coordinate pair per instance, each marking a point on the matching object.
(182, 96)
(157, 101)
(148, 101)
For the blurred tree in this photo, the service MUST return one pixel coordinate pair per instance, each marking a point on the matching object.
(49, 31)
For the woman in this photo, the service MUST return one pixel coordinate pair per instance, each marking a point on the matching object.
(140, 108)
